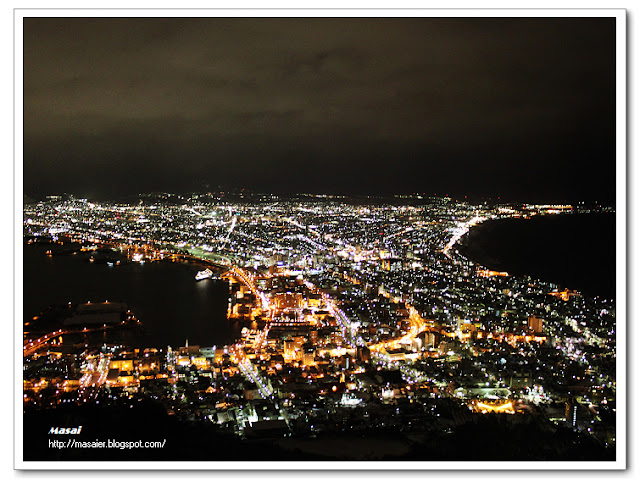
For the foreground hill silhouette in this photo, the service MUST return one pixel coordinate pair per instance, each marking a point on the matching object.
(485, 438)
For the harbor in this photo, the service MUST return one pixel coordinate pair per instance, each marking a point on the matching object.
(53, 280)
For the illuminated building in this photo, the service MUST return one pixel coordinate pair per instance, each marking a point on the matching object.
(200, 362)
(308, 355)
(289, 350)
(314, 300)
(564, 295)
(126, 364)
(313, 336)
(288, 300)
(535, 324)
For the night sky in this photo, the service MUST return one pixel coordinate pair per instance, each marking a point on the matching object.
(518, 108)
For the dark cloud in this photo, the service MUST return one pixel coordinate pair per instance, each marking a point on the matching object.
(444, 105)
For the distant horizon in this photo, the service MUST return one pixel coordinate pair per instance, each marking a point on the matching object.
(231, 192)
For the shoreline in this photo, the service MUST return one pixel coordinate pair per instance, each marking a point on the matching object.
(572, 251)
(134, 293)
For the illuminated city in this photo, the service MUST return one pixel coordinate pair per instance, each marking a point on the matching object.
(354, 317)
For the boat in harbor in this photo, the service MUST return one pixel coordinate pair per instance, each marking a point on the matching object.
(205, 274)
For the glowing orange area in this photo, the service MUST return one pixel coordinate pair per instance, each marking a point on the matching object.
(564, 295)
(483, 407)
(488, 273)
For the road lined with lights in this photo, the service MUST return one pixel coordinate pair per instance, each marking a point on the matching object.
(96, 377)
(250, 372)
(34, 345)
(460, 231)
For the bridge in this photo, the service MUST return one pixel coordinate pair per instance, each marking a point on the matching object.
(247, 280)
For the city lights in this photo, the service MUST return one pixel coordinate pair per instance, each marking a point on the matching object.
(341, 308)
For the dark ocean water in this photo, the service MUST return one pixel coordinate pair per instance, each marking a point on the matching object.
(577, 251)
(165, 297)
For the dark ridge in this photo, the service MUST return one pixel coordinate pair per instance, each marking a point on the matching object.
(484, 438)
